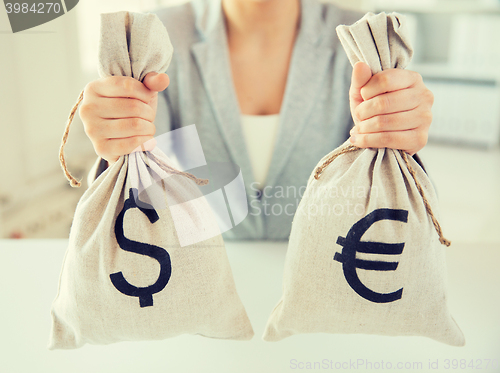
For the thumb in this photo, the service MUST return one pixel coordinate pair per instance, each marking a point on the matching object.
(156, 82)
(361, 75)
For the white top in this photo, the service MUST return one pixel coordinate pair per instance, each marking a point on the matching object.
(260, 133)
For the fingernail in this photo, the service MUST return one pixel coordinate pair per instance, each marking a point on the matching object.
(352, 139)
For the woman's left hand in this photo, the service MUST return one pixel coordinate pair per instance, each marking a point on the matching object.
(391, 109)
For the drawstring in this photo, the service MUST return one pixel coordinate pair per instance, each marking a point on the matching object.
(76, 184)
(351, 148)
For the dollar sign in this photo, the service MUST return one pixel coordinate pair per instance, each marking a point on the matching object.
(145, 294)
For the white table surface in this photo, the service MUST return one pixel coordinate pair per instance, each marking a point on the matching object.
(29, 272)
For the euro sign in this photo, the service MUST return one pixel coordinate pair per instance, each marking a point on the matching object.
(352, 244)
(145, 294)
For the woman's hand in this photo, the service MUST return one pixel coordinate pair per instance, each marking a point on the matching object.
(118, 113)
(391, 109)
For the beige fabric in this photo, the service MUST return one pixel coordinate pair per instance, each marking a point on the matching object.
(138, 204)
(133, 44)
(381, 40)
(331, 283)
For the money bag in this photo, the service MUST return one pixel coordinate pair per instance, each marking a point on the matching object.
(145, 260)
(366, 253)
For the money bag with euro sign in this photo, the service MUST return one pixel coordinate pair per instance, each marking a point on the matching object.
(366, 252)
(146, 259)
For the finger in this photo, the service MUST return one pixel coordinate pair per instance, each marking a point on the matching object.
(410, 141)
(116, 108)
(402, 121)
(147, 146)
(156, 82)
(361, 74)
(118, 147)
(121, 128)
(389, 81)
(121, 86)
(387, 103)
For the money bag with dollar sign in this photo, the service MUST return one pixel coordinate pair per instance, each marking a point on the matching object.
(146, 259)
(366, 252)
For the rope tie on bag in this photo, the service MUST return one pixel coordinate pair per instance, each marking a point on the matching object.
(404, 155)
(76, 184)
(427, 205)
(320, 169)
(171, 169)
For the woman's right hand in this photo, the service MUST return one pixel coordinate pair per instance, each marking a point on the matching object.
(118, 113)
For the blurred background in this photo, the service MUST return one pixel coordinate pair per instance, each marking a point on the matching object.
(43, 70)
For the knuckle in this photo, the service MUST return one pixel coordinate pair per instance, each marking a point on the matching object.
(89, 129)
(385, 139)
(417, 77)
(149, 112)
(382, 104)
(429, 96)
(135, 107)
(86, 109)
(120, 84)
(383, 80)
(136, 124)
(361, 141)
(381, 122)
(82, 110)
(115, 81)
(427, 117)
(89, 88)
(149, 128)
(127, 86)
(357, 114)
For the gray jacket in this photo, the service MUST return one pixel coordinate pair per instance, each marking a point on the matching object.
(314, 117)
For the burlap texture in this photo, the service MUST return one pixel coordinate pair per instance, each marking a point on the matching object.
(380, 40)
(133, 44)
(331, 238)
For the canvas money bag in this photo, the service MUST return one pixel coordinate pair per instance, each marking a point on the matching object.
(364, 255)
(143, 261)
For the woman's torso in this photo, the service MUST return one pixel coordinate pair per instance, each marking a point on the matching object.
(314, 117)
